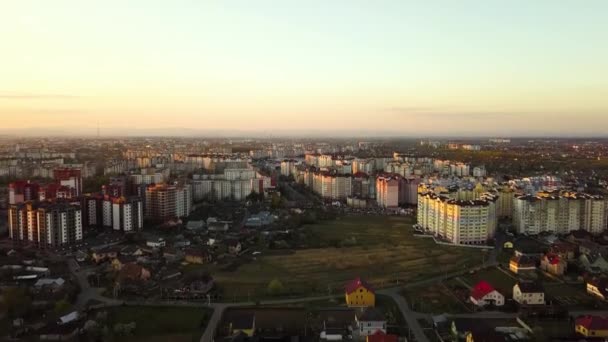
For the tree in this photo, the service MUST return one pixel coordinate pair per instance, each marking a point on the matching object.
(275, 202)
(16, 302)
(275, 287)
(62, 307)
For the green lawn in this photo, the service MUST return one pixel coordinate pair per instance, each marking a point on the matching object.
(180, 323)
(385, 251)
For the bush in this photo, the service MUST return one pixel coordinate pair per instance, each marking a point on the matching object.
(275, 287)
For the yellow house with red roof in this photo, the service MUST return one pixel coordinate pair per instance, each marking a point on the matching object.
(592, 326)
(359, 293)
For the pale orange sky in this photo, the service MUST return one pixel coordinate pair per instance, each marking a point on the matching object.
(429, 68)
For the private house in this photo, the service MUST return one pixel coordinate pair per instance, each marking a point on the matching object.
(156, 243)
(522, 264)
(554, 264)
(369, 321)
(592, 326)
(195, 225)
(173, 254)
(594, 263)
(133, 272)
(218, 227)
(197, 256)
(337, 323)
(564, 249)
(104, 254)
(528, 247)
(485, 329)
(484, 294)
(49, 284)
(579, 236)
(528, 293)
(380, 336)
(234, 246)
(598, 287)
(359, 293)
(242, 323)
(119, 262)
(132, 251)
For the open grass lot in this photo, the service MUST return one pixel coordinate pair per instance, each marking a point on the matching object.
(163, 323)
(499, 279)
(385, 251)
(434, 299)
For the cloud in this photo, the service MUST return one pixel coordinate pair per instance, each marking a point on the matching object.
(9, 96)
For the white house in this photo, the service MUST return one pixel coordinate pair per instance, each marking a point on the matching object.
(528, 293)
(369, 321)
(484, 294)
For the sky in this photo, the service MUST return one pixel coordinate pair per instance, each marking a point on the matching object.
(477, 68)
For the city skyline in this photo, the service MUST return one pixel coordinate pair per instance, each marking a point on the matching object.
(260, 68)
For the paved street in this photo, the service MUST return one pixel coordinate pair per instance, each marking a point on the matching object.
(90, 293)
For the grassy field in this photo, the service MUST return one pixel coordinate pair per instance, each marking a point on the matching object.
(434, 299)
(384, 251)
(164, 323)
(497, 278)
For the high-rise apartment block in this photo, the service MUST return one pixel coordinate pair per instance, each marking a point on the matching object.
(462, 222)
(559, 212)
(46, 225)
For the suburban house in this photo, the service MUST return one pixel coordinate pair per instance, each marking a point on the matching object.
(579, 236)
(379, 336)
(197, 256)
(528, 293)
(156, 243)
(119, 262)
(598, 287)
(133, 272)
(485, 329)
(554, 264)
(484, 294)
(104, 254)
(243, 323)
(594, 263)
(234, 246)
(49, 284)
(592, 326)
(369, 321)
(132, 251)
(218, 226)
(172, 254)
(590, 247)
(528, 247)
(522, 264)
(359, 293)
(337, 323)
(564, 249)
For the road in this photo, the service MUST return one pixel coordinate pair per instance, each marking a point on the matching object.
(87, 292)
(90, 293)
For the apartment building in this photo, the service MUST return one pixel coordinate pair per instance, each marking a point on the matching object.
(46, 225)
(463, 222)
(387, 191)
(559, 212)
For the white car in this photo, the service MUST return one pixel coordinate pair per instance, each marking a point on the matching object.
(256, 253)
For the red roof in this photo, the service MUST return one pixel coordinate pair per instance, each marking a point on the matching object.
(553, 259)
(481, 290)
(593, 322)
(355, 284)
(379, 336)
